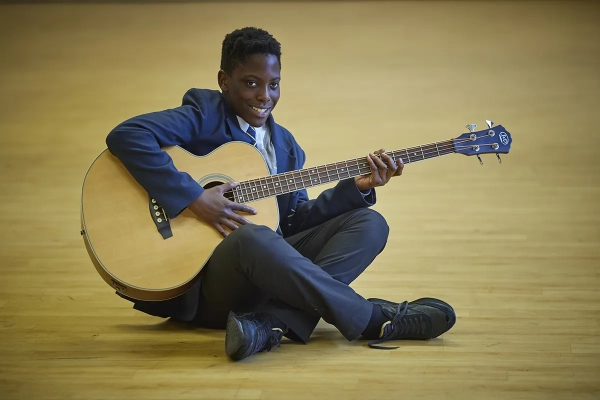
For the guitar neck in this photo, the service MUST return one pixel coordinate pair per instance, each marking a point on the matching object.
(256, 189)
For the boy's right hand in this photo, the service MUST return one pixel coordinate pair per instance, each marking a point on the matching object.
(219, 212)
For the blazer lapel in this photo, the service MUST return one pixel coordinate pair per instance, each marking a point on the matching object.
(283, 148)
(234, 127)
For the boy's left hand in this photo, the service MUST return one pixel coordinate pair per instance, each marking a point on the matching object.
(382, 170)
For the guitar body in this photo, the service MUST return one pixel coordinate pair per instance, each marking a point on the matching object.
(121, 236)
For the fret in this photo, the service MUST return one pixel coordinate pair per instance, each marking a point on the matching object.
(345, 170)
(288, 182)
(280, 184)
(242, 196)
(407, 156)
(362, 170)
(317, 177)
(301, 174)
(327, 179)
(255, 190)
(264, 187)
(320, 173)
(437, 148)
(313, 177)
(252, 189)
(306, 178)
(392, 155)
(399, 155)
(298, 176)
(275, 184)
(293, 176)
(278, 187)
(245, 192)
(396, 156)
(413, 152)
(284, 184)
(328, 171)
(423, 152)
(431, 151)
(269, 185)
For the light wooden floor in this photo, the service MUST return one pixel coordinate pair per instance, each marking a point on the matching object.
(515, 247)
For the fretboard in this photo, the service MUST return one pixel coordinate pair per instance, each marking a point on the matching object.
(256, 189)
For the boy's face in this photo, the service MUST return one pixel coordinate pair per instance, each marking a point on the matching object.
(253, 88)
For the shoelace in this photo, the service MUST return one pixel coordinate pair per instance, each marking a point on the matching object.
(267, 339)
(396, 327)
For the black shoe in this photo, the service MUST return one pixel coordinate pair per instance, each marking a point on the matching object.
(420, 319)
(250, 333)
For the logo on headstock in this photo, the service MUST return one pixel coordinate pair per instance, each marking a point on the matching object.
(503, 137)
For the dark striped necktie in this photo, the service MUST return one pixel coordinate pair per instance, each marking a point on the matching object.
(252, 133)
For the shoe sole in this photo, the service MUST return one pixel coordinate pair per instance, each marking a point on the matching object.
(428, 301)
(235, 339)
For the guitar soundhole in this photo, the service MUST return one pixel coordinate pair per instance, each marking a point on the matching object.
(228, 195)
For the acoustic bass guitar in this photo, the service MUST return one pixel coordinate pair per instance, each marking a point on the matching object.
(143, 254)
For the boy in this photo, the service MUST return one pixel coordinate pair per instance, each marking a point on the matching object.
(259, 284)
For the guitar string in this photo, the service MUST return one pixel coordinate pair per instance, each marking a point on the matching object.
(250, 193)
(247, 189)
(355, 161)
(246, 194)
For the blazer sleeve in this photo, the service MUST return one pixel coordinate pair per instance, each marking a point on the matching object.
(343, 197)
(137, 144)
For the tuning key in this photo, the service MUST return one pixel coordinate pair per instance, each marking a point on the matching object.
(480, 162)
(471, 127)
(489, 123)
(499, 159)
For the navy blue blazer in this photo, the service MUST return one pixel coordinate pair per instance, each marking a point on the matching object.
(202, 123)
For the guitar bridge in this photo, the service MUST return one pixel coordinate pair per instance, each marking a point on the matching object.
(159, 216)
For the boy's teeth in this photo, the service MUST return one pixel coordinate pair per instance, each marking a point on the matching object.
(259, 109)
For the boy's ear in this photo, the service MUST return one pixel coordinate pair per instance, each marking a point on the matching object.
(222, 80)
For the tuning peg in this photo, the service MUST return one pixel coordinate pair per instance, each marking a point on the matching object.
(471, 127)
(499, 159)
(489, 123)
(480, 162)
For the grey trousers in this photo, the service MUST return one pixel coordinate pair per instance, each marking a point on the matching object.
(298, 279)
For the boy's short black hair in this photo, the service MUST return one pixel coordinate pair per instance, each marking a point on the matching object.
(242, 43)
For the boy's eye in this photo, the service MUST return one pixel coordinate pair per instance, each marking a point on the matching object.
(251, 83)
(274, 85)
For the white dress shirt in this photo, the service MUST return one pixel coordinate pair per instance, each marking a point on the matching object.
(263, 143)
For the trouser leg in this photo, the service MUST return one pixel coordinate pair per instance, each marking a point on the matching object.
(301, 278)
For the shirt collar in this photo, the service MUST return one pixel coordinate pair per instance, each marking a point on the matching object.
(244, 125)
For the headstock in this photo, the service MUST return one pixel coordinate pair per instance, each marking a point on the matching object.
(492, 140)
